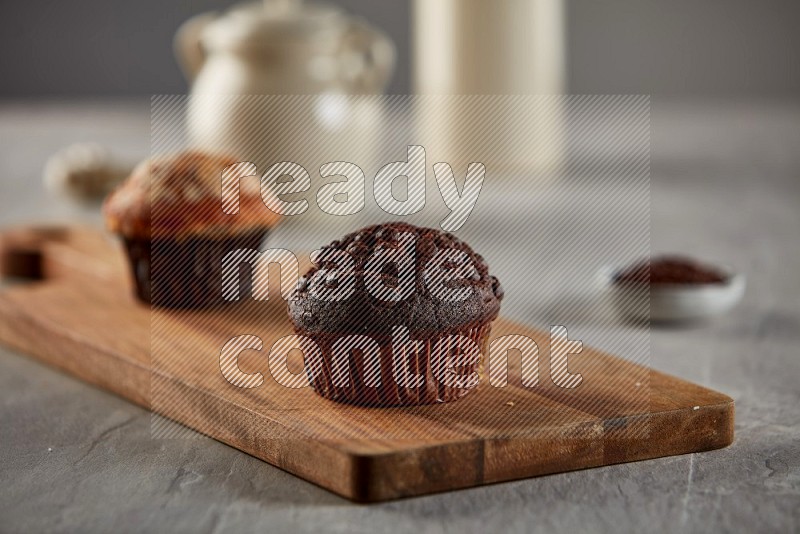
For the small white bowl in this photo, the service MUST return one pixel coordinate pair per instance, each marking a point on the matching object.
(673, 302)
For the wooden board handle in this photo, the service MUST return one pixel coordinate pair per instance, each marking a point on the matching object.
(21, 250)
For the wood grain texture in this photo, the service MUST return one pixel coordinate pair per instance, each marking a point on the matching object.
(80, 317)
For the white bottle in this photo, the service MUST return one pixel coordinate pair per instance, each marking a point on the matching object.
(491, 47)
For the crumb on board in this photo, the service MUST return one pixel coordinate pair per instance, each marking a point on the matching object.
(510, 403)
(696, 408)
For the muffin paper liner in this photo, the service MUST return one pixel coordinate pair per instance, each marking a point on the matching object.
(389, 393)
(185, 273)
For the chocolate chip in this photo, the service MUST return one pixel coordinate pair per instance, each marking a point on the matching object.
(358, 250)
(497, 288)
(390, 269)
(426, 248)
(387, 235)
(331, 280)
(302, 284)
(390, 281)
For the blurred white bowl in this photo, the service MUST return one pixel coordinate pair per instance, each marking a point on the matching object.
(673, 302)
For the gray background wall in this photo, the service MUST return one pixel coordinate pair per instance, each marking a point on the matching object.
(90, 48)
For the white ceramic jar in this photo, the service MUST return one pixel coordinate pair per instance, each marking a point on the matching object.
(303, 55)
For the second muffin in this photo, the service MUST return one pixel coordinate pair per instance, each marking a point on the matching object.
(175, 232)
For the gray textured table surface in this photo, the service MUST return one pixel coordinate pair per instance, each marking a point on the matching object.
(725, 185)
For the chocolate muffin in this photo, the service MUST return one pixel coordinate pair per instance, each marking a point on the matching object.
(412, 295)
(169, 215)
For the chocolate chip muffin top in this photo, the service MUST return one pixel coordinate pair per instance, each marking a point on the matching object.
(425, 311)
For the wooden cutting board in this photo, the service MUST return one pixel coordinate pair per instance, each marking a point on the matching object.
(80, 317)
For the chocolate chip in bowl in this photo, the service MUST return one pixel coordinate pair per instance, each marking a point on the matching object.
(674, 288)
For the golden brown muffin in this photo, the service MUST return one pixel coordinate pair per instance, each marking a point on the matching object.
(170, 217)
